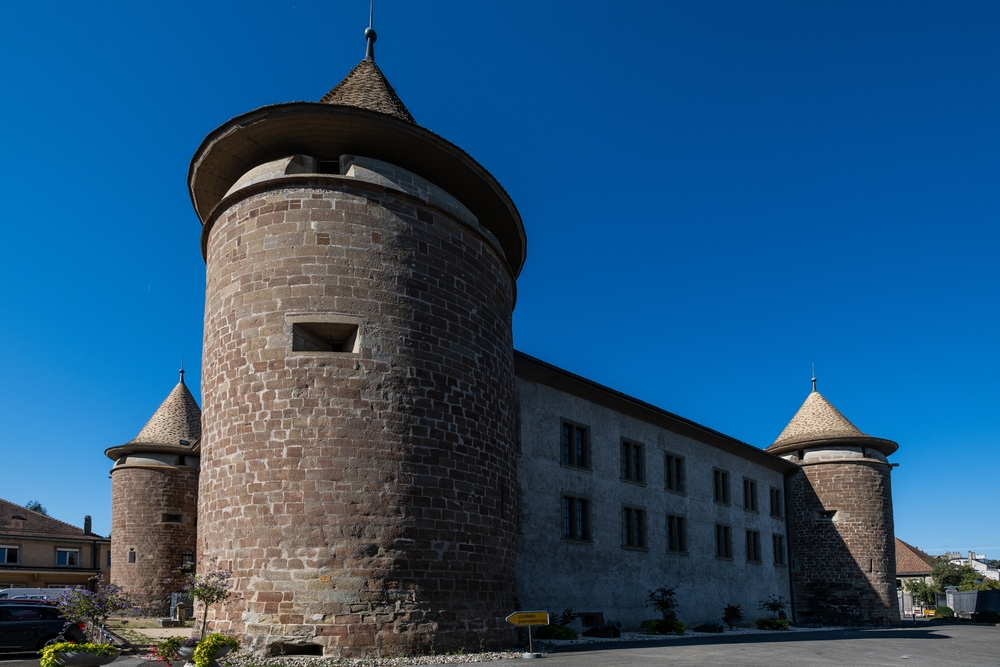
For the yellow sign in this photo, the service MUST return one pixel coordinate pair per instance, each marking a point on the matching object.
(529, 618)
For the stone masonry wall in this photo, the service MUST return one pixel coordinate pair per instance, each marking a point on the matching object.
(364, 501)
(139, 498)
(843, 568)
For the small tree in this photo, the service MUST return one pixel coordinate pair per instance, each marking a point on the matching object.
(36, 506)
(208, 588)
(79, 605)
(664, 600)
(773, 604)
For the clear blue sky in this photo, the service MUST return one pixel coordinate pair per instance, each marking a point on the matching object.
(716, 196)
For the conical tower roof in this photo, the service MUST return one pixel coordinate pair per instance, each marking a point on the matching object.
(818, 421)
(174, 427)
(367, 88)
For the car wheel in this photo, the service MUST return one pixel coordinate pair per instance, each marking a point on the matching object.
(45, 641)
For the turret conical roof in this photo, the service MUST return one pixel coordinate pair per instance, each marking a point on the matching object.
(174, 427)
(366, 87)
(818, 421)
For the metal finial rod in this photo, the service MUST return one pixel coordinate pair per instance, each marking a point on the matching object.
(182, 370)
(814, 377)
(370, 33)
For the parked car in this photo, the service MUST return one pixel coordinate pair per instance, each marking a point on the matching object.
(29, 625)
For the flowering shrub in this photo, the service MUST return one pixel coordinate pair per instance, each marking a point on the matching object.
(166, 650)
(208, 588)
(48, 654)
(732, 612)
(78, 605)
(210, 645)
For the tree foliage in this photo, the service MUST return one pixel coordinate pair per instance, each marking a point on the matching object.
(208, 588)
(36, 506)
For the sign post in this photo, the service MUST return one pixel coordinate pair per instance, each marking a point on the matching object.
(529, 618)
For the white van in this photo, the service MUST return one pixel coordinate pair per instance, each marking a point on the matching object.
(31, 593)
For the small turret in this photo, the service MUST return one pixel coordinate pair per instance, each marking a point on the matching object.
(154, 501)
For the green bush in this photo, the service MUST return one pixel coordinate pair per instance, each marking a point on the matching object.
(773, 623)
(944, 612)
(553, 631)
(659, 626)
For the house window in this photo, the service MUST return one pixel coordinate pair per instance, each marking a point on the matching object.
(633, 462)
(172, 518)
(673, 473)
(576, 518)
(8, 555)
(721, 486)
(777, 504)
(676, 534)
(131, 555)
(723, 541)
(753, 546)
(109, 557)
(575, 445)
(633, 527)
(68, 557)
(778, 541)
(749, 495)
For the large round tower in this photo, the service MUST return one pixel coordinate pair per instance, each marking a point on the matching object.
(358, 474)
(154, 501)
(841, 539)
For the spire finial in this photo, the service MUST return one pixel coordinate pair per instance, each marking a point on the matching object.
(370, 33)
(182, 370)
(814, 377)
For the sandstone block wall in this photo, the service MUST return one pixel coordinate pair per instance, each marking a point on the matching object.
(365, 501)
(843, 561)
(140, 496)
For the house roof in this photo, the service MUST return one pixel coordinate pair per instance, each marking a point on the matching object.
(366, 87)
(174, 427)
(911, 560)
(33, 524)
(817, 421)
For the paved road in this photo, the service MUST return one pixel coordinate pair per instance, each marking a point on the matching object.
(927, 646)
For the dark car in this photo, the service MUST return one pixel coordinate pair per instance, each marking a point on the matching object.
(28, 627)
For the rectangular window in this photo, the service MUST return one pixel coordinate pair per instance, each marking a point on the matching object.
(753, 546)
(109, 557)
(172, 518)
(8, 555)
(324, 337)
(720, 480)
(723, 541)
(68, 557)
(575, 444)
(749, 495)
(131, 555)
(777, 503)
(778, 541)
(633, 527)
(633, 462)
(576, 519)
(676, 534)
(673, 473)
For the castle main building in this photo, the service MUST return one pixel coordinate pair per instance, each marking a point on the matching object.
(382, 472)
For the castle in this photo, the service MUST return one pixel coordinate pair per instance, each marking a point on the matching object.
(382, 472)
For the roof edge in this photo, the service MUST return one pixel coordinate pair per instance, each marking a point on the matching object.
(887, 447)
(536, 370)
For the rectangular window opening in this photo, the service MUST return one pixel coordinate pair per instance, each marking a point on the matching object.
(778, 542)
(576, 518)
(575, 445)
(749, 495)
(676, 534)
(131, 555)
(324, 337)
(720, 479)
(673, 473)
(173, 518)
(633, 461)
(777, 504)
(723, 541)
(753, 546)
(633, 527)
(8, 555)
(68, 557)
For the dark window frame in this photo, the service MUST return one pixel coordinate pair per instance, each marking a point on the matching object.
(778, 547)
(674, 473)
(677, 534)
(574, 444)
(68, 551)
(16, 548)
(634, 533)
(721, 492)
(723, 541)
(754, 552)
(777, 503)
(632, 461)
(574, 525)
(750, 503)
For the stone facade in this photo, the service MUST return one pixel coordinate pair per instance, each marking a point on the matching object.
(843, 555)
(363, 498)
(154, 504)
